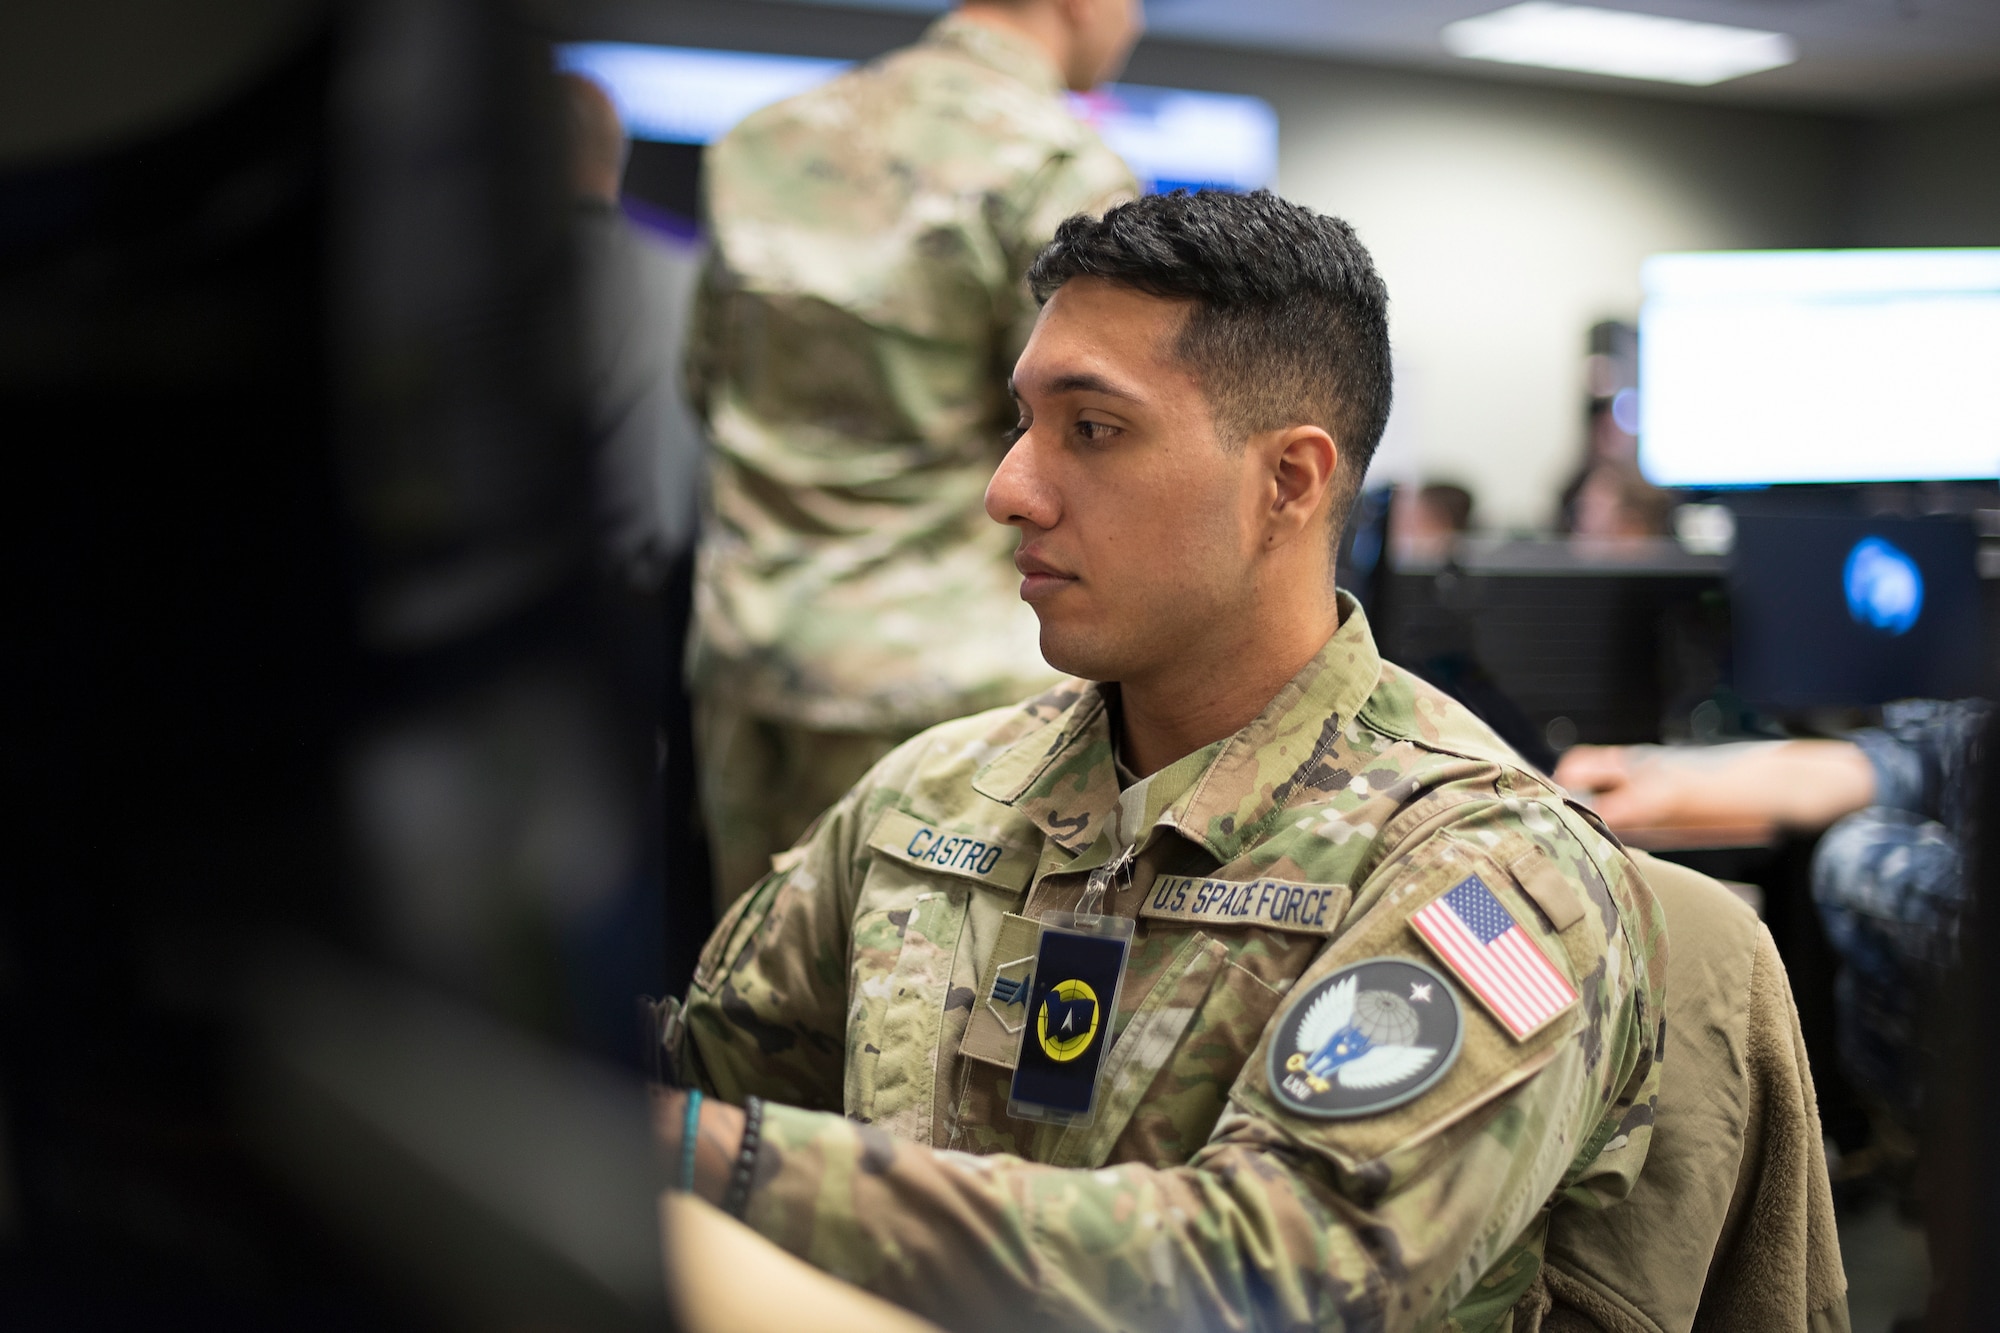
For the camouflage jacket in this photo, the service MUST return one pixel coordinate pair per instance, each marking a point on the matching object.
(858, 978)
(853, 333)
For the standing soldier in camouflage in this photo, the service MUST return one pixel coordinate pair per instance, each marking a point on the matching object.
(1390, 1002)
(851, 342)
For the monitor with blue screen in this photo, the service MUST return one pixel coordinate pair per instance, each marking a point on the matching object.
(1170, 137)
(1845, 612)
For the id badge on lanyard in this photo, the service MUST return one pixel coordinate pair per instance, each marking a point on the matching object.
(1079, 967)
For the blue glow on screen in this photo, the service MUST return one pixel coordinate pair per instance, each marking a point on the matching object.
(1170, 137)
(1885, 589)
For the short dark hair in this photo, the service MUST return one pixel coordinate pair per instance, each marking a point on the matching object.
(1290, 324)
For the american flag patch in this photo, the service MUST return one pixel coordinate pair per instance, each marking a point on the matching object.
(1479, 939)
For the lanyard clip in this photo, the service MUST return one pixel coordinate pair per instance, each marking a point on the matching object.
(1101, 879)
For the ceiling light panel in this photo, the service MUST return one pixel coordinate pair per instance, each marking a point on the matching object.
(1617, 42)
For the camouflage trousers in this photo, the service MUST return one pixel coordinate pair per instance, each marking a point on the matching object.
(1890, 888)
(763, 783)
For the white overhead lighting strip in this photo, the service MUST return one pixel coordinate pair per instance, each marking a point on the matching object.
(1617, 42)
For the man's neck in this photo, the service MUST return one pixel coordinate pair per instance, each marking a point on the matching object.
(1174, 712)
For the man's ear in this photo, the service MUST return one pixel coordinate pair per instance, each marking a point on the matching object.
(1303, 461)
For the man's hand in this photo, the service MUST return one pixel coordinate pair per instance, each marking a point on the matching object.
(1799, 785)
(1632, 786)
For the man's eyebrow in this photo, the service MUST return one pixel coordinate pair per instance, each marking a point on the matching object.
(1082, 382)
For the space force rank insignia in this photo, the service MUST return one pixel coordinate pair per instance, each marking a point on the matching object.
(1367, 1038)
(1066, 1020)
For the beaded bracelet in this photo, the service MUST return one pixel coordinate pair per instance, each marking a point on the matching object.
(690, 1130)
(737, 1197)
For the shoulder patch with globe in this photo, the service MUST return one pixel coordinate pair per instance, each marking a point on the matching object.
(1369, 1037)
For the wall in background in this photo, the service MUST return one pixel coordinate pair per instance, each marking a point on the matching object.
(1506, 220)
(1929, 178)
(1506, 217)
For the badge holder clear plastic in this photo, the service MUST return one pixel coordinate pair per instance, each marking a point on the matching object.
(1078, 955)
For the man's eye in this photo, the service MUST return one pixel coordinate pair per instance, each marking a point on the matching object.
(1010, 438)
(1095, 432)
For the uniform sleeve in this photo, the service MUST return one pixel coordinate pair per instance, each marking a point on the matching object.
(1278, 1221)
(766, 1013)
(701, 356)
(1256, 1229)
(1923, 754)
(1089, 179)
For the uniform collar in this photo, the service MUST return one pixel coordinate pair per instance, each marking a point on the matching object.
(998, 50)
(1062, 775)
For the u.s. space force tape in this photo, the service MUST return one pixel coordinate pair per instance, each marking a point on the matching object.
(1274, 904)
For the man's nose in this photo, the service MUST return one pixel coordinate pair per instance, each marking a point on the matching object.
(1019, 494)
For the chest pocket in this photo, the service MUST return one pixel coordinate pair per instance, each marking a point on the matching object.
(908, 925)
(1144, 1053)
(1173, 1057)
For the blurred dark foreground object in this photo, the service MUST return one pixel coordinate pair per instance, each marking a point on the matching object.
(325, 748)
(496, 1183)
(1958, 1166)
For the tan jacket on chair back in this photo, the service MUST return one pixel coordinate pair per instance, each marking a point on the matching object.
(1731, 1223)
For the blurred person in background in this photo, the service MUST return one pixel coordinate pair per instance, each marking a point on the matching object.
(646, 457)
(1888, 877)
(1608, 499)
(1615, 504)
(1426, 520)
(635, 298)
(855, 324)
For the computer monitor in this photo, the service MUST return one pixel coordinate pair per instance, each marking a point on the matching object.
(1170, 137)
(1845, 612)
(1764, 367)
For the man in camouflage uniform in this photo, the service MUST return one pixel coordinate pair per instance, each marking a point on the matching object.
(1276, 809)
(852, 336)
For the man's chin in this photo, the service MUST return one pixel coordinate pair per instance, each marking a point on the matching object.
(1076, 654)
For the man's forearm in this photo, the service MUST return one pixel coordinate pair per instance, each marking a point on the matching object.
(1807, 785)
(1803, 785)
(1249, 1233)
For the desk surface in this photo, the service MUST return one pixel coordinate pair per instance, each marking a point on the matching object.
(1699, 837)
